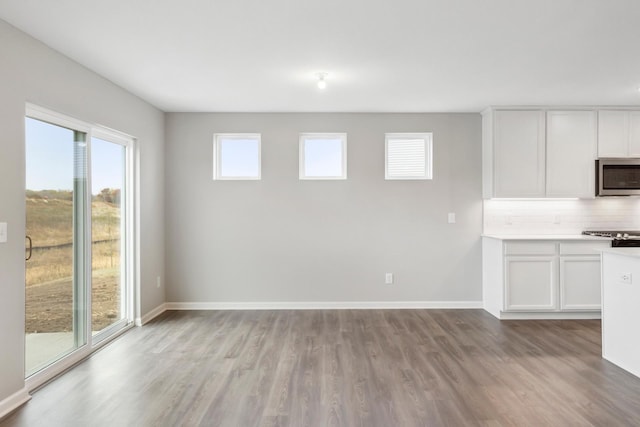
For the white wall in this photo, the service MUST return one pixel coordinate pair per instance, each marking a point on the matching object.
(561, 216)
(285, 240)
(31, 72)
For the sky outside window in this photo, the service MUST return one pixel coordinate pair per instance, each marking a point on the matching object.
(107, 165)
(49, 156)
(49, 159)
(239, 158)
(323, 157)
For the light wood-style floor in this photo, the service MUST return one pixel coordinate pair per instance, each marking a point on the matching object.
(343, 368)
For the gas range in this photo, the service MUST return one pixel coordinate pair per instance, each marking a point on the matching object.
(621, 239)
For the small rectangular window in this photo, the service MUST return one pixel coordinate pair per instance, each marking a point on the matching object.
(236, 156)
(323, 156)
(408, 156)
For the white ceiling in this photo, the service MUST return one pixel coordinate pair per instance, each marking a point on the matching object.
(381, 55)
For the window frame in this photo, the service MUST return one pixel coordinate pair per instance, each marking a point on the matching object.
(427, 137)
(342, 136)
(217, 156)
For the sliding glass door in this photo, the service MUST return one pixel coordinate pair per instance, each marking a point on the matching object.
(108, 234)
(79, 228)
(55, 222)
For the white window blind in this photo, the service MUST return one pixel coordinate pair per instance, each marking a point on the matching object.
(408, 156)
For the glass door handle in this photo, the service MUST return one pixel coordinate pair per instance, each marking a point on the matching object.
(30, 248)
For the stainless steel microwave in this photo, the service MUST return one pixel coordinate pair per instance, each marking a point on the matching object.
(618, 177)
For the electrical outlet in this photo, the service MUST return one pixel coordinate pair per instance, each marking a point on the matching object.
(3, 232)
(451, 218)
(158, 281)
(388, 278)
(625, 278)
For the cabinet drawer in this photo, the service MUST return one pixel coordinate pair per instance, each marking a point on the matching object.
(530, 248)
(583, 248)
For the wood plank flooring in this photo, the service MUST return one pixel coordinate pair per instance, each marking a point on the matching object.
(343, 368)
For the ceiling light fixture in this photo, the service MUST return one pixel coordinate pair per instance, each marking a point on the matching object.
(322, 83)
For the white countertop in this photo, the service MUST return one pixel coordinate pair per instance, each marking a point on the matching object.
(545, 237)
(634, 252)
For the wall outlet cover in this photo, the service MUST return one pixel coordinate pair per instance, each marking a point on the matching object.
(625, 278)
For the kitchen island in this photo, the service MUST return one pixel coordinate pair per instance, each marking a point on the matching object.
(621, 307)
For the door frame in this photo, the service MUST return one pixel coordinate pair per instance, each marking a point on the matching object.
(130, 244)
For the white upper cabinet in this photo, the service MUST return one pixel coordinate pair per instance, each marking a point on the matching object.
(613, 133)
(514, 153)
(618, 133)
(571, 154)
(536, 153)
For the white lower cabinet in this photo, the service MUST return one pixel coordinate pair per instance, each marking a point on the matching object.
(541, 278)
(580, 283)
(531, 283)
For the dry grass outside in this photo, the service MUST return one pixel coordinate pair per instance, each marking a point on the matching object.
(49, 305)
(47, 265)
(49, 282)
(50, 221)
(105, 298)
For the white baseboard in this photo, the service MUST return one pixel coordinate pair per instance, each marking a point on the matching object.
(13, 402)
(584, 315)
(151, 315)
(322, 305)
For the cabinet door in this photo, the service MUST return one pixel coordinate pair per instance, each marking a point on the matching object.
(613, 133)
(634, 134)
(519, 153)
(531, 283)
(571, 153)
(580, 283)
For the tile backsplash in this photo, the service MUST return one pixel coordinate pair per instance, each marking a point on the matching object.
(556, 216)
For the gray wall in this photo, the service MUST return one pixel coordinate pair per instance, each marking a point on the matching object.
(31, 72)
(285, 240)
